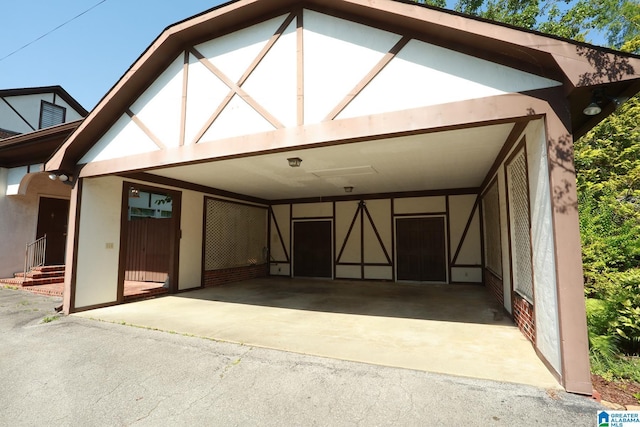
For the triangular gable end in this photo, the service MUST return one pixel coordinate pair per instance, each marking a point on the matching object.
(246, 82)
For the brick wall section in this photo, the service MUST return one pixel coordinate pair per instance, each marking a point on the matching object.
(237, 274)
(494, 284)
(523, 317)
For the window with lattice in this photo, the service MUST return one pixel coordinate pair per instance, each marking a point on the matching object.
(492, 243)
(520, 225)
(235, 235)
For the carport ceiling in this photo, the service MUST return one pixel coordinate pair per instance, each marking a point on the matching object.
(435, 161)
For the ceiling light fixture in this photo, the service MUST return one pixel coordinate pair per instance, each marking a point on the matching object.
(348, 189)
(592, 109)
(134, 193)
(294, 162)
(64, 177)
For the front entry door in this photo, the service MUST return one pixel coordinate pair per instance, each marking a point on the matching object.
(53, 216)
(312, 249)
(421, 249)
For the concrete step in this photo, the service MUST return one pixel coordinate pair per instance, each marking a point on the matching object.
(35, 274)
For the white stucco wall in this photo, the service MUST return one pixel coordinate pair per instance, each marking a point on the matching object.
(98, 242)
(19, 219)
(190, 270)
(543, 250)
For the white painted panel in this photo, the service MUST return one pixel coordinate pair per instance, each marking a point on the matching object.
(378, 272)
(274, 83)
(234, 52)
(466, 275)
(504, 237)
(438, 76)
(29, 107)
(123, 139)
(345, 212)
(238, 118)
(348, 272)
(279, 269)
(410, 205)
(205, 92)
(190, 271)
(471, 251)
(282, 215)
(337, 55)
(373, 252)
(380, 211)
(459, 211)
(544, 272)
(14, 177)
(160, 106)
(313, 210)
(9, 120)
(98, 242)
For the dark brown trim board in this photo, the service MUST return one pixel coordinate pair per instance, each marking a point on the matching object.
(71, 258)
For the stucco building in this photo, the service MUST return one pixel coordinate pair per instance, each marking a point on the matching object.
(34, 122)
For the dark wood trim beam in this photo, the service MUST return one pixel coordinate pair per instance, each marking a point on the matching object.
(237, 90)
(146, 130)
(368, 78)
(466, 229)
(19, 115)
(170, 182)
(513, 137)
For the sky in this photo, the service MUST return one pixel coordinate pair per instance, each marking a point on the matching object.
(88, 55)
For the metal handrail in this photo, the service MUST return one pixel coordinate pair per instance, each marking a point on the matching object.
(34, 254)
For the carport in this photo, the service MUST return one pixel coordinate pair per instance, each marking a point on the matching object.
(456, 330)
(349, 140)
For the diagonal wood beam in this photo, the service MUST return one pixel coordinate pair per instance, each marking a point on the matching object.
(368, 78)
(466, 230)
(235, 88)
(244, 77)
(146, 130)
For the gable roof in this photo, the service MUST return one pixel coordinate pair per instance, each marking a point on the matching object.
(579, 66)
(34, 147)
(58, 90)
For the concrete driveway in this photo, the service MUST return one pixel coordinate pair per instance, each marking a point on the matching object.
(449, 329)
(71, 371)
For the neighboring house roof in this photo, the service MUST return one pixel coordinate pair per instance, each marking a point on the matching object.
(4, 133)
(58, 90)
(579, 66)
(34, 147)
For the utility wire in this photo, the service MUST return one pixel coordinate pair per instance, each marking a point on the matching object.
(51, 31)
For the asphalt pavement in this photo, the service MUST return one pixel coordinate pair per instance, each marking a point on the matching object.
(57, 370)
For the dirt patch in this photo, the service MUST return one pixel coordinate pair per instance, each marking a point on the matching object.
(621, 393)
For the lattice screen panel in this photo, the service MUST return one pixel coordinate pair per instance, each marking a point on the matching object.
(520, 225)
(235, 235)
(491, 215)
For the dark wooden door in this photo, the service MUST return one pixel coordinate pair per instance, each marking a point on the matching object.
(53, 217)
(421, 249)
(312, 249)
(148, 249)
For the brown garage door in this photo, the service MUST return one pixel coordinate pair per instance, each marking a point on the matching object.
(312, 249)
(421, 249)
